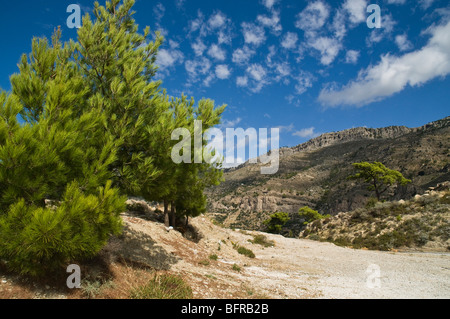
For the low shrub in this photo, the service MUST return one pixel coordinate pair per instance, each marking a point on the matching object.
(166, 286)
(246, 252)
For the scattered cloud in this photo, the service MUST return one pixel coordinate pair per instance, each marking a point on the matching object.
(222, 71)
(286, 128)
(170, 57)
(273, 22)
(197, 67)
(356, 10)
(425, 4)
(242, 55)
(352, 56)
(269, 3)
(393, 73)
(387, 26)
(289, 40)
(199, 47)
(403, 43)
(304, 82)
(242, 81)
(313, 17)
(217, 20)
(253, 34)
(396, 1)
(217, 52)
(257, 77)
(306, 133)
(328, 47)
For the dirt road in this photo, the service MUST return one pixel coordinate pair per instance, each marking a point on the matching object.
(296, 268)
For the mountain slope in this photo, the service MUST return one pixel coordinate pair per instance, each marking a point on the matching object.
(315, 174)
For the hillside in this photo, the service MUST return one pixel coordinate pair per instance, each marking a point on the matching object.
(315, 174)
(212, 267)
(420, 223)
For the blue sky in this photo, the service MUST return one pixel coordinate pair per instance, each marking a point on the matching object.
(307, 67)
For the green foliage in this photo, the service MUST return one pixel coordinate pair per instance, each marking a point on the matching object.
(166, 286)
(213, 257)
(378, 176)
(94, 125)
(37, 239)
(309, 215)
(276, 222)
(246, 252)
(262, 240)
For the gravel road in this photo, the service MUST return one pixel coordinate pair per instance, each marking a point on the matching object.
(298, 268)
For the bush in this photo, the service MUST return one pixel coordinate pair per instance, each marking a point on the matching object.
(165, 286)
(262, 240)
(276, 222)
(213, 257)
(309, 215)
(35, 240)
(246, 252)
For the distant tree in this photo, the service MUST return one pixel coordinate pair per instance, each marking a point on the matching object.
(276, 222)
(310, 215)
(379, 177)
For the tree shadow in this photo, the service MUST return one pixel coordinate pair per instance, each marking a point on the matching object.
(138, 249)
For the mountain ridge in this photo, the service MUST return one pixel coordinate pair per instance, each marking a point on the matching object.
(315, 173)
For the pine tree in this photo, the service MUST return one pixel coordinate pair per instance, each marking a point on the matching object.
(55, 156)
(118, 65)
(94, 128)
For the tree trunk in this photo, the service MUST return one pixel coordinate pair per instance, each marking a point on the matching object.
(172, 214)
(187, 221)
(377, 192)
(166, 213)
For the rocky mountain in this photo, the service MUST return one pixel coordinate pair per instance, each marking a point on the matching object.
(315, 174)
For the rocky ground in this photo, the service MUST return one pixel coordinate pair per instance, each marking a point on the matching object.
(291, 268)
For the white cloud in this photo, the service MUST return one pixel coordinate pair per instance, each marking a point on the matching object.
(257, 77)
(425, 4)
(269, 3)
(403, 43)
(313, 17)
(217, 20)
(253, 34)
(197, 67)
(222, 71)
(257, 72)
(393, 73)
(179, 4)
(289, 40)
(230, 123)
(285, 128)
(352, 56)
(168, 58)
(207, 81)
(242, 81)
(159, 11)
(242, 56)
(199, 47)
(304, 82)
(339, 24)
(396, 1)
(306, 132)
(387, 26)
(356, 10)
(217, 52)
(283, 70)
(328, 47)
(273, 23)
